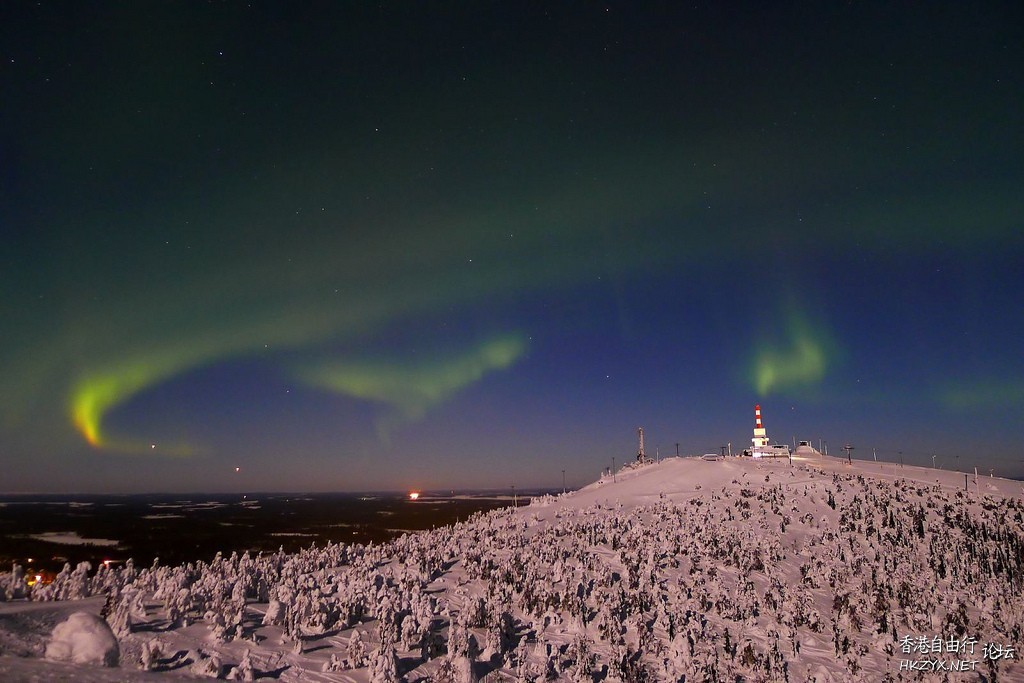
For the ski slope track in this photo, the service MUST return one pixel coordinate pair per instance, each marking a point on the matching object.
(684, 570)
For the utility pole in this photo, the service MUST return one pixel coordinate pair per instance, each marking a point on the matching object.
(515, 498)
(901, 458)
(677, 449)
(563, 481)
(613, 469)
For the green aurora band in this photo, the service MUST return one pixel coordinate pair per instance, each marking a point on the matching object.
(801, 362)
(983, 395)
(413, 389)
(297, 298)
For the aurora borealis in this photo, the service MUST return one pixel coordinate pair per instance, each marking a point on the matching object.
(350, 247)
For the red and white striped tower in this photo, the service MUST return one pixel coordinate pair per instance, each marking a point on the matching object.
(760, 439)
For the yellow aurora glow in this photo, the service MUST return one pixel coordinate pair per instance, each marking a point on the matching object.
(97, 394)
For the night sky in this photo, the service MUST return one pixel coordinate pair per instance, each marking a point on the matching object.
(353, 245)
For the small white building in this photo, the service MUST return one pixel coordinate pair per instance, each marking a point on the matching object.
(759, 446)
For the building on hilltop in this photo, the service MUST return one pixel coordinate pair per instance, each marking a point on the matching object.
(759, 446)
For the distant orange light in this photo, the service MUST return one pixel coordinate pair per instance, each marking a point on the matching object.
(414, 495)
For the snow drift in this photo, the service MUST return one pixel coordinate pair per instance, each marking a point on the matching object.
(83, 639)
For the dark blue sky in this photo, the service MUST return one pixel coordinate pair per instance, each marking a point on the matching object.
(343, 246)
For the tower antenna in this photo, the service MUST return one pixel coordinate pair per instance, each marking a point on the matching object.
(758, 445)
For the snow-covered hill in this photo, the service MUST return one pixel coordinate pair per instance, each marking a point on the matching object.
(687, 569)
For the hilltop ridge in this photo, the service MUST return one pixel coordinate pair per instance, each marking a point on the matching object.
(677, 479)
(737, 569)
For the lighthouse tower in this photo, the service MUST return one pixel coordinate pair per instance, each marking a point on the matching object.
(760, 440)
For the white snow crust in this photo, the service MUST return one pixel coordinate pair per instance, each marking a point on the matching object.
(738, 569)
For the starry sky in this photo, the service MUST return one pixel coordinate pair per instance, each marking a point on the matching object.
(364, 246)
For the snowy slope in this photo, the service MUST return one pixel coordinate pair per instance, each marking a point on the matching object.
(682, 570)
(679, 478)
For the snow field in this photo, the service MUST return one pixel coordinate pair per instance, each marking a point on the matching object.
(686, 569)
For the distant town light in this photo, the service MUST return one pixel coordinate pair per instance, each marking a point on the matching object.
(414, 495)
